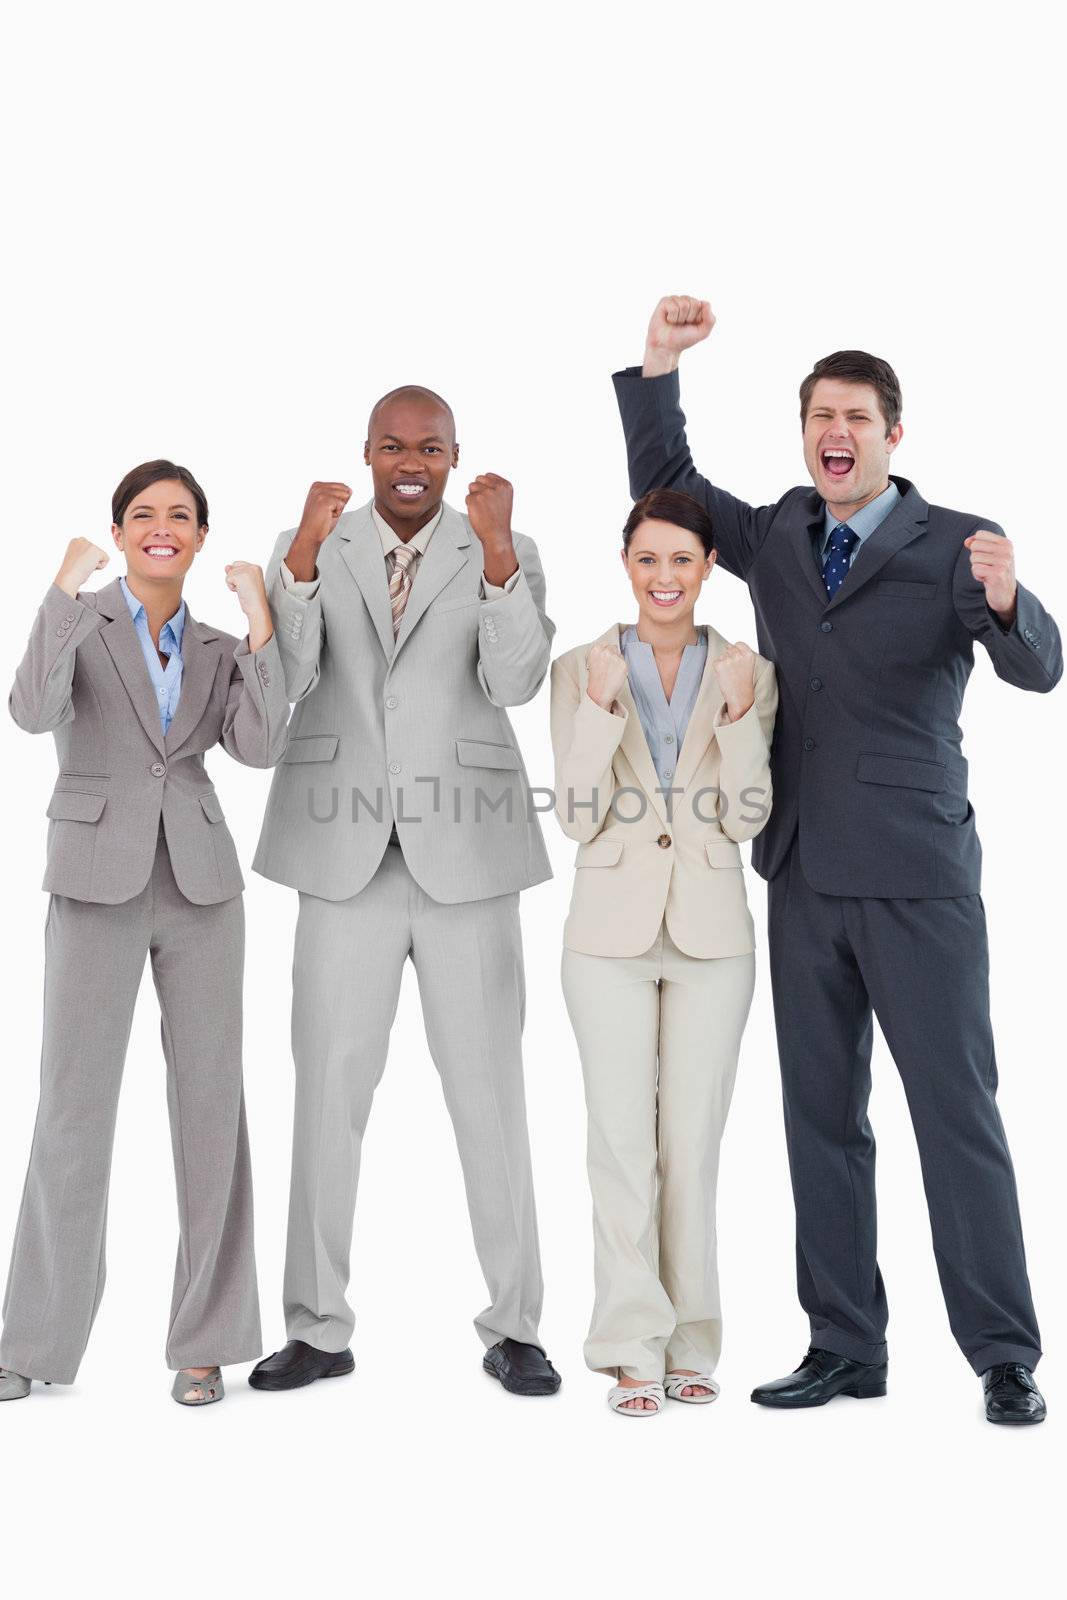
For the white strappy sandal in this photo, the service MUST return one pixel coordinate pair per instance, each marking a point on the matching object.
(675, 1382)
(621, 1393)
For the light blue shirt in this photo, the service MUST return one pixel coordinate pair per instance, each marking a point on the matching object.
(166, 681)
(863, 523)
(664, 721)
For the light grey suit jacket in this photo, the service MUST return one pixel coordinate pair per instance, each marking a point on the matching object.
(83, 678)
(414, 732)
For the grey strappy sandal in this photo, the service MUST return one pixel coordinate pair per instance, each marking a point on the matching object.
(205, 1391)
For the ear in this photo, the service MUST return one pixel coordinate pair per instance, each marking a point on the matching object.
(893, 437)
(455, 455)
(625, 554)
(116, 534)
(201, 535)
(710, 562)
(366, 452)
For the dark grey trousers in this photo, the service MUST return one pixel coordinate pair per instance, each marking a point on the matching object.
(922, 967)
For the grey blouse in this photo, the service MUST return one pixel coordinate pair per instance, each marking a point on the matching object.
(664, 721)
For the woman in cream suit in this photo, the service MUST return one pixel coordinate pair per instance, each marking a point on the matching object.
(661, 733)
(141, 864)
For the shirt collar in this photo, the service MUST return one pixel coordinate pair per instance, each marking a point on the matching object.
(390, 541)
(868, 517)
(176, 623)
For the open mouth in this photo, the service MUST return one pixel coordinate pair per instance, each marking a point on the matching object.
(409, 491)
(665, 597)
(160, 552)
(838, 463)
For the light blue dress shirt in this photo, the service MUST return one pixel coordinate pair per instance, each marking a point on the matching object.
(664, 721)
(166, 681)
(863, 523)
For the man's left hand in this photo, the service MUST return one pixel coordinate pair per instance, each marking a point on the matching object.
(489, 502)
(993, 564)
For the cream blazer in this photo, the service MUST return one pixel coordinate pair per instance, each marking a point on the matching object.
(645, 856)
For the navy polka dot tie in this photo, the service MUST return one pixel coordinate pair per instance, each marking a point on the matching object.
(842, 543)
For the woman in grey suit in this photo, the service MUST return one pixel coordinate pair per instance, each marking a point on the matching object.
(140, 862)
(661, 732)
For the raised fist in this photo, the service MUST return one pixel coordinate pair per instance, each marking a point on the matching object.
(735, 670)
(607, 674)
(82, 559)
(678, 322)
(993, 564)
(489, 502)
(246, 581)
(323, 506)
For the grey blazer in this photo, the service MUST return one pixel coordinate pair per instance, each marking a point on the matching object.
(417, 733)
(82, 676)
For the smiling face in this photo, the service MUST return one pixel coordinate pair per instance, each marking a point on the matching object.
(159, 533)
(410, 451)
(667, 568)
(846, 447)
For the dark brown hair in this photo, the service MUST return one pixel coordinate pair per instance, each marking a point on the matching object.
(144, 476)
(856, 366)
(670, 505)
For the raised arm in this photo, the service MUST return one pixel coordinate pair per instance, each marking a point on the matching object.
(293, 587)
(514, 630)
(653, 422)
(1021, 637)
(41, 696)
(254, 729)
(587, 728)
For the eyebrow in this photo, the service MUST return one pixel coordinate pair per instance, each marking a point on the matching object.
(143, 505)
(393, 438)
(673, 552)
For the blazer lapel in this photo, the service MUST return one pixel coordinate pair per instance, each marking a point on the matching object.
(124, 647)
(905, 522)
(200, 663)
(445, 554)
(634, 744)
(802, 537)
(361, 549)
(701, 728)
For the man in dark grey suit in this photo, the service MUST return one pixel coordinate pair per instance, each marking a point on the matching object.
(869, 602)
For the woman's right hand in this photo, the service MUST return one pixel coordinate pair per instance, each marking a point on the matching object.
(82, 559)
(607, 674)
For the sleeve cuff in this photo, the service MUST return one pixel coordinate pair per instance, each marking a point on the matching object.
(493, 591)
(301, 589)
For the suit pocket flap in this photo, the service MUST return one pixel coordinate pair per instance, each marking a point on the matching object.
(906, 589)
(212, 807)
(313, 747)
(599, 853)
(903, 772)
(722, 852)
(73, 805)
(477, 753)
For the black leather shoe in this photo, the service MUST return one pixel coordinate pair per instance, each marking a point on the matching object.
(820, 1377)
(299, 1364)
(521, 1368)
(1012, 1396)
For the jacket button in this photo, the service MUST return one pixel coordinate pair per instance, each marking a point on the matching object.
(664, 841)
(809, 744)
(394, 766)
(826, 627)
(816, 683)
(392, 702)
(158, 770)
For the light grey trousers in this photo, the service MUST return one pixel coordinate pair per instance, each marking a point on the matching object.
(659, 1036)
(348, 963)
(94, 958)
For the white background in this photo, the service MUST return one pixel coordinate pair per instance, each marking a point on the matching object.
(229, 229)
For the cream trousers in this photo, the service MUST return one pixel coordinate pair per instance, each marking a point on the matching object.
(659, 1036)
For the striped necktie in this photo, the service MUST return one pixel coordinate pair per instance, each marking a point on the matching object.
(842, 543)
(400, 583)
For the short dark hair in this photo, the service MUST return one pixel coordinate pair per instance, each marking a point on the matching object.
(856, 366)
(143, 477)
(670, 505)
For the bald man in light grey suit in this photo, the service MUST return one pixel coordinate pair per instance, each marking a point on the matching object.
(402, 816)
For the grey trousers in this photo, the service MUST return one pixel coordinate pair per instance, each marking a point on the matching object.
(94, 958)
(348, 962)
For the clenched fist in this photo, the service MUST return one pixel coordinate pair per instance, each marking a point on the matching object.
(246, 581)
(735, 670)
(489, 502)
(323, 506)
(678, 322)
(607, 674)
(82, 559)
(993, 564)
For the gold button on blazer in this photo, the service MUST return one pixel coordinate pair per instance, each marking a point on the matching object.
(645, 855)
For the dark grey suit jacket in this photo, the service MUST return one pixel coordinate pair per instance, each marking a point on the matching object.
(867, 757)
